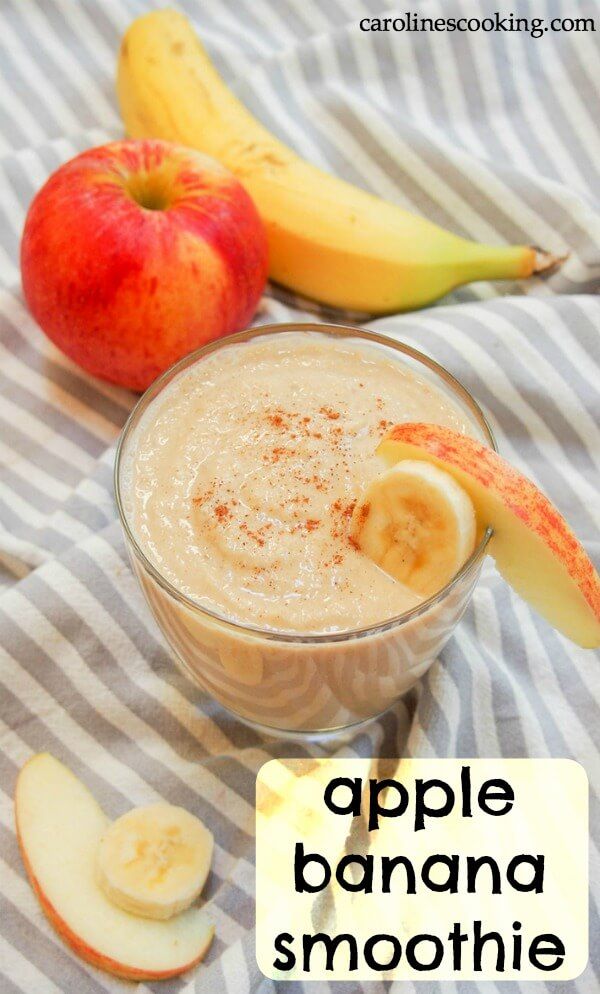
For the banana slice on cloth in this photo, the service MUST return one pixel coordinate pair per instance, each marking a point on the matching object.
(417, 523)
(154, 860)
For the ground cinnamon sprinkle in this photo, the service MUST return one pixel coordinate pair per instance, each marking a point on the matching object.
(289, 426)
(203, 497)
(277, 452)
(341, 513)
(349, 509)
(344, 509)
(256, 536)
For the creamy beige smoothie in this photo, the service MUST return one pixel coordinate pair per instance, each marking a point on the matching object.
(242, 475)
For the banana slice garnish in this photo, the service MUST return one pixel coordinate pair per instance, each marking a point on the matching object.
(417, 523)
(154, 860)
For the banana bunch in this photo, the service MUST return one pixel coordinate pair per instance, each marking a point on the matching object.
(328, 240)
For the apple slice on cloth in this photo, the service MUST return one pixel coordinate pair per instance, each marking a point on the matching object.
(533, 546)
(59, 827)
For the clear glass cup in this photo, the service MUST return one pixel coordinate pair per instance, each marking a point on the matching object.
(292, 685)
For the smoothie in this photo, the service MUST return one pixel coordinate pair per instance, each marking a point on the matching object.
(242, 475)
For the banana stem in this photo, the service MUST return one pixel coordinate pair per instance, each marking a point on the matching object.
(546, 263)
(506, 262)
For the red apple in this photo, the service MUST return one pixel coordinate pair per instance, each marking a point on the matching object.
(137, 252)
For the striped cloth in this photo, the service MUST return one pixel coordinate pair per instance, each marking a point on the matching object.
(493, 135)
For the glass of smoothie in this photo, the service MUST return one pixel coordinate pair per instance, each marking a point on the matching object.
(236, 477)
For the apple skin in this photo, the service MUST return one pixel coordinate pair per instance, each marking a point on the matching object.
(126, 289)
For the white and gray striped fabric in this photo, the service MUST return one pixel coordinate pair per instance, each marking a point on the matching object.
(493, 135)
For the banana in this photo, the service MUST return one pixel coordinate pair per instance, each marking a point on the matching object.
(417, 523)
(154, 860)
(327, 239)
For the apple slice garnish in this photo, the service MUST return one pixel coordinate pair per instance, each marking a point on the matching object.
(532, 544)
(59, 827)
